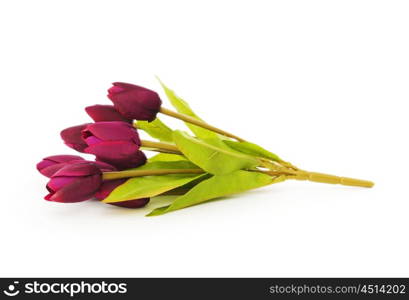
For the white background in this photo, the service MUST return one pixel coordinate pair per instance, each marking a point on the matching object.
(322, 83)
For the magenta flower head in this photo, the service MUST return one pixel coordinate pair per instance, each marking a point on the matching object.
(51, 164)
(135, 102)
(103, 166)
(105, 113)
(116, 143)
(108, 186)
(72, 137)
(74, 183)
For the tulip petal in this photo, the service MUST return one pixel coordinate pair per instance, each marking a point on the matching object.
(137, 203)
(138, 105)
(56, 159)
(135, 160)
(107, 187)
(72, 137)
(111, 131)
(51, 170)
(78, 169)
(91, 140)
(44, 164)
(115, 90)
(58, 182)
(63, 158)
(135, 102)
(105, 167)
(105, 113)
(113, 150)
(81, 189)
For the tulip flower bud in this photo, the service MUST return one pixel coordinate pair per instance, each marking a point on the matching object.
(116, 143)
(72, 137)
(51, 164)
(103, 166)
(134, 102)
(74, 183)
(105, 113)
(108, 186)
(132, 161)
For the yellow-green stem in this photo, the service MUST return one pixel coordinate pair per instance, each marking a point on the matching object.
(319, 177)
(160, 150)
(138, 173)
(332, 179)
(160, 145)
(199, 123)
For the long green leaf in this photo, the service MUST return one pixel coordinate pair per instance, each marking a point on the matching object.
(210, 158)
(217, 186)
(219, 143)
(251, 149)
(188, 186)
(175, 164)
(182, 107)
(156, 129)
(149, 186)
(166, 157)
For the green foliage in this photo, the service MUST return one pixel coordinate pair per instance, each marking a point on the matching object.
(156, 129)
(210, 158)
(215, 187)
(149, 186)
(159, 165)
(166, 157)
(182, 107)
(251, 149)
(227, 163)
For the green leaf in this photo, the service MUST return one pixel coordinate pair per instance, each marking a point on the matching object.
(149, 186)
(176, 164)
(215, 187)
(156, 129)
(210, 158)
(182, 107)
(251, 149)
(166, 157)
(188, 186)
(217, 143)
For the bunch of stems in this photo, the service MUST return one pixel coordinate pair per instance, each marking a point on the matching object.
(274, 168)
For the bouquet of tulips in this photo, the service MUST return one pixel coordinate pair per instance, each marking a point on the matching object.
(195, 167)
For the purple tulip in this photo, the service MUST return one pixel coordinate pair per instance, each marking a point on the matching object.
(134, 160)
(74, 183)
(72, 137)
(103, 166)
(105, 113)
(108, 186)
(135, 102)
(116, 143)
(51, 164)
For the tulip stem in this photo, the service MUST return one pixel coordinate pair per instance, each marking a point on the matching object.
(321, 177)
(160, 146)
(160, 150)
(197, 122)
(203, 124)
(138, 173)
(299, 175)
(332, 179)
